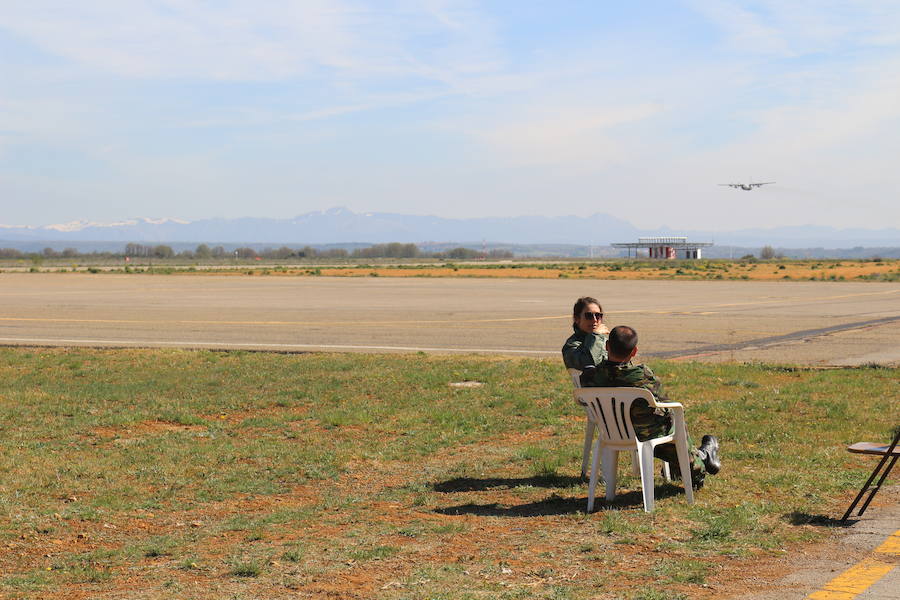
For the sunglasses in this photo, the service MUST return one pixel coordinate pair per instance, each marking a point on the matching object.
(593, 315)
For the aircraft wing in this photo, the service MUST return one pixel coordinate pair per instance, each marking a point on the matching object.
(762, 183)
(734, 185)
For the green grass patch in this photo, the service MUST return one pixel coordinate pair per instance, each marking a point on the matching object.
(243, 568)
(294, 471)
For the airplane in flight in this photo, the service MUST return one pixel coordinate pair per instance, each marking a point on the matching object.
(747, 186)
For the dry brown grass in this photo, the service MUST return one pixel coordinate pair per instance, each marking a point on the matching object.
(796, 270)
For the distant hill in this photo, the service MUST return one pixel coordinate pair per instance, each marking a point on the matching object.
(339, 225)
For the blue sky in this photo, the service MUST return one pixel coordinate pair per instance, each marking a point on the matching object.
(112, 109)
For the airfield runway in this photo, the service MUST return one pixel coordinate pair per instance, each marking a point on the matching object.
(812, 323)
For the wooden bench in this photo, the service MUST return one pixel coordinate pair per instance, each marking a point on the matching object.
(870, 448)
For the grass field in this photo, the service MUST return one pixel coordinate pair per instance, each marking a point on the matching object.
(176, 474)
(755, 270)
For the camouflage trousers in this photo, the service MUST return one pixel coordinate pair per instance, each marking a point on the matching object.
(657, 423)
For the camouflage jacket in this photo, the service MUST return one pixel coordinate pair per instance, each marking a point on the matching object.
(613, 374)
(584, 349)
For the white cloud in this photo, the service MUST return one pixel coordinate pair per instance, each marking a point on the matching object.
(802, 27)
(183, 38)
(745, 29)
(573, 136)
(250, 41)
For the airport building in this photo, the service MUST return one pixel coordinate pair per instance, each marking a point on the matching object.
(665, 247)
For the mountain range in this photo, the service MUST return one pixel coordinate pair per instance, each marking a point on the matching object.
(340, 225)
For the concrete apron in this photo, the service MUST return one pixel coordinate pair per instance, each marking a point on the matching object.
(862, 562)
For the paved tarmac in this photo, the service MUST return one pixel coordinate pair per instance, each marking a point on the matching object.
(811, 323)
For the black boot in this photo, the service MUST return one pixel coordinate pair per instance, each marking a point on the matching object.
(709, 453)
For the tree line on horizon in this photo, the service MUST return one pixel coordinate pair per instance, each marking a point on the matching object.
(205, 252)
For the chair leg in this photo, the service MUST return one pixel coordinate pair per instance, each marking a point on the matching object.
(586, 454)
(666, 472)
(635, 464)
(684, 463)
(610, 462)
(868, 487)
(877, 486)
(595, 467)
(645, 455)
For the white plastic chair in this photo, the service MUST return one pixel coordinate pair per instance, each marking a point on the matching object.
(575, 374)
(610, 409)
(589, 428)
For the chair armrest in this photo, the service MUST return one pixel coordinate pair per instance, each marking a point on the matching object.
(669, 405)
(578, 400)
(677, 415)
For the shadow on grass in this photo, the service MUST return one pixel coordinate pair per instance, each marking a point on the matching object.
(556, 505)
(801, 518)
(470, 484)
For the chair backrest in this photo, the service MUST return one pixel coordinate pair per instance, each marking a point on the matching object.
(610, 409)
(575, 374)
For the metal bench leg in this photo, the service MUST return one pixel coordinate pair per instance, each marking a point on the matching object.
(877, 486)
(868, 483)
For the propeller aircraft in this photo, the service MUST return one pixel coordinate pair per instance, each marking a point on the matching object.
(747, 186)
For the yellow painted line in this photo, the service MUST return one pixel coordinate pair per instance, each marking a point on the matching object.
(806, 299)
(202, 322)
(787, 300)
(890, 545)
(854, 581)
(255, 345)
(135, 290)
(342, 322)
(860, 577)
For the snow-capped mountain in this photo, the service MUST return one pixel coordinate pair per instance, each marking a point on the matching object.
(340, 225)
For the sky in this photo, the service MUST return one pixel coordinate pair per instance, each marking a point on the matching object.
(192, 109)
